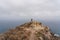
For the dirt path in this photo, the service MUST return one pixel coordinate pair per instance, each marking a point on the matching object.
(32, 35)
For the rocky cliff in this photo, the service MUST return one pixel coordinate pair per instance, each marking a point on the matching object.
(32, 30)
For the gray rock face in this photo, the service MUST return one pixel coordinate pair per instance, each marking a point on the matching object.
(29, 31)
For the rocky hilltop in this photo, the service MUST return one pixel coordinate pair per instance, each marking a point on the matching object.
(32, 30)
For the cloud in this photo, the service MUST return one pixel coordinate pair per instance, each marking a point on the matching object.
(45, 9)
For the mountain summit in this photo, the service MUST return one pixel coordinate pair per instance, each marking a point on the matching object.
(32, 30)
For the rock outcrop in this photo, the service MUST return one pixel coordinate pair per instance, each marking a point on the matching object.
(32, 30)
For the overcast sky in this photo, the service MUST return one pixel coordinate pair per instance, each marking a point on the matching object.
(43, 9)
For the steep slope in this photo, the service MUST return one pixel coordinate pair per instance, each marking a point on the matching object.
(32, 30)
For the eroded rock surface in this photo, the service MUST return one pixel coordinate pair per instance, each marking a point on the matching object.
(29, 31)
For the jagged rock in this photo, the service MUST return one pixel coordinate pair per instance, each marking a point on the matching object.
(29, 31)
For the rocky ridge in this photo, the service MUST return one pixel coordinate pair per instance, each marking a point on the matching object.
(32, 30)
